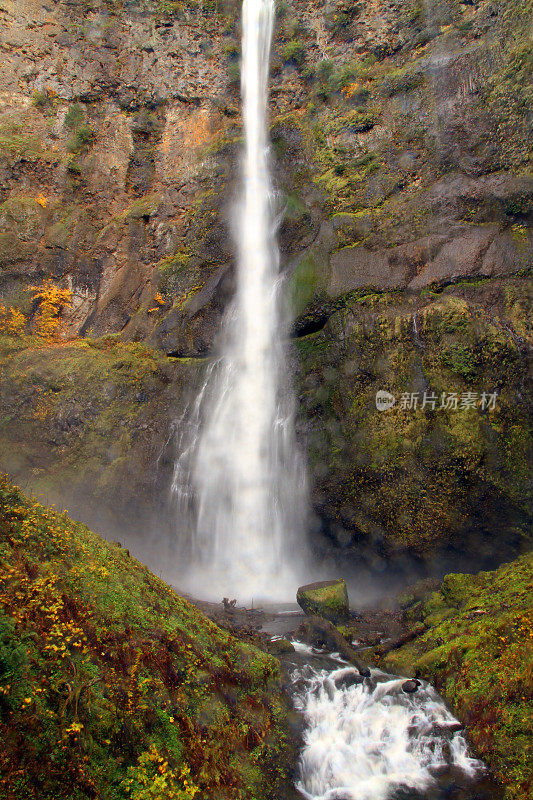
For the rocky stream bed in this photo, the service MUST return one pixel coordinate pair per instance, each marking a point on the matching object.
(363, 734)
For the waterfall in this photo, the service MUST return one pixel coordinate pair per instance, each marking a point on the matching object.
(242, 473)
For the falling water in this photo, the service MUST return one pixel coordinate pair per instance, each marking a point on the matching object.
(242, 473)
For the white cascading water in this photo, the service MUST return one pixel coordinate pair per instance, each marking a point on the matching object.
(239, 476)
(239, 467)
(369, 740)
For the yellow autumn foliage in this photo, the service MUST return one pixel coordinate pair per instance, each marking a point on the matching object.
(349, 90)
(12, 321)
(152, 779)
(48, 322)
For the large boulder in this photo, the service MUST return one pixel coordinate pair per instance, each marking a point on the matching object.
(328, 599)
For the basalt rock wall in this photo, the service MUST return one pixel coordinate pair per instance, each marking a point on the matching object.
(401, 143)
(400, 140)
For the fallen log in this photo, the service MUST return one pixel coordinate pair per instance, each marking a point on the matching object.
(395, 644)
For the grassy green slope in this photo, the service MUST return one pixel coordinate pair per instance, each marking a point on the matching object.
(112, 686)
(477, 648)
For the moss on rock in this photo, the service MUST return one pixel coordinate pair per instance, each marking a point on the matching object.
(91, 418)
(328, 599)
(416, 478)
(476, 647)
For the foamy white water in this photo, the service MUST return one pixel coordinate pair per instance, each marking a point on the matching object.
(242, 475)
(364, 742)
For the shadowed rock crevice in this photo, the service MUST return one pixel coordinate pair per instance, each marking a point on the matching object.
(306, 327)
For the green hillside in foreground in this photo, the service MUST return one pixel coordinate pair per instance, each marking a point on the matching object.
(476, 646)
(114, 687)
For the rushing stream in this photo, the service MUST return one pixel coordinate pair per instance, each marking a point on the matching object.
(367, 739)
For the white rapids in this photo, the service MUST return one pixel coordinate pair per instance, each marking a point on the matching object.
(240, 471)
(366, 741)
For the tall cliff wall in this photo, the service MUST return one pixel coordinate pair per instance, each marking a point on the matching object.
(401, 141)
(400, 134)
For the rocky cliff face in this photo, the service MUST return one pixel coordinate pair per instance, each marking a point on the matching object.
(401, 139)
(439, 476)
(107, 112)
(400, 133)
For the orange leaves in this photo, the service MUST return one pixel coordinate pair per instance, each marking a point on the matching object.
(160, 301)
(349, 90)
(12, 321)
(53, 300)
(74, 729)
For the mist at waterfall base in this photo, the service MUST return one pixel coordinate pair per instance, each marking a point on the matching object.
(239, 483)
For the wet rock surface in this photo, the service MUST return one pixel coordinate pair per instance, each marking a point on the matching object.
(349, 679)
(328, 599)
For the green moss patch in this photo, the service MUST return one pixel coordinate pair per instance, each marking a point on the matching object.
(478, 650)
(308, 278)
(17, 144)
(65, 404)
(113, 686)
(328, 599)
(144, 207)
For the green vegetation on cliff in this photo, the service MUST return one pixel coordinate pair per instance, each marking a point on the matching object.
(92, 418)
(112, 686)
(85, 424)
(477, 649)
(418, 477)
(73, 405)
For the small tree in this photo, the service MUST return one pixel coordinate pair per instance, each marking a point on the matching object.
(12, 321)
(53, 300)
